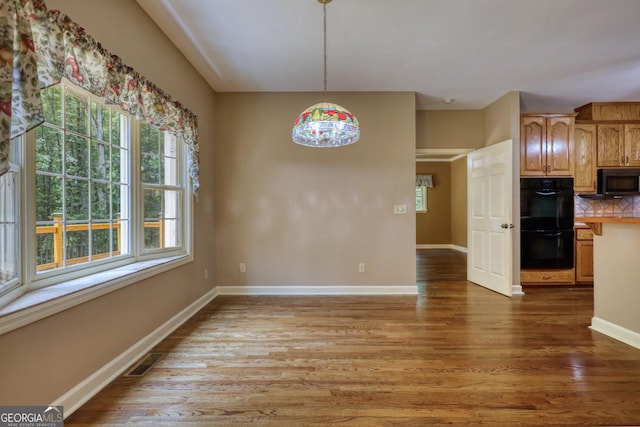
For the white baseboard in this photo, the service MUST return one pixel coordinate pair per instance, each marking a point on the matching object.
(442, 246)
(91, 385)
(318, 290)
(516, 290)
(617, 332)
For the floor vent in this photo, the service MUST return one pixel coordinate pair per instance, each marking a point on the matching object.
(141, 369)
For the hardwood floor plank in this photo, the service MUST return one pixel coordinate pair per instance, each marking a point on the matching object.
(456, 354)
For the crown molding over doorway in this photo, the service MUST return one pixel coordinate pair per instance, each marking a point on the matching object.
(440, 154)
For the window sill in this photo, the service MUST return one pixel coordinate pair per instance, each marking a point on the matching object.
(40, 303)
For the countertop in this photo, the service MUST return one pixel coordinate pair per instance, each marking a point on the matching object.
(603, 219)
(595, 222)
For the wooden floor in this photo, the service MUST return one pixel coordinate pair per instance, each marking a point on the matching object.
(457, 354)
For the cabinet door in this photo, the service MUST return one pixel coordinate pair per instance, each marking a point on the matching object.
(532, 146)
(584, 141)
(584, 260)
(560, 146)
(610, 145)
(632, 144)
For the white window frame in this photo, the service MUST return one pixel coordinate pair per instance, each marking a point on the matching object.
(178, 187)
(13, 288)
(421, 193)
(97, 277)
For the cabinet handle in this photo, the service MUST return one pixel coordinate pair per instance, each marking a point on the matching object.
(622, 160)
(548, 168)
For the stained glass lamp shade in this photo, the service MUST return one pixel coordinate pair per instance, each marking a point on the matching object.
(325, 125)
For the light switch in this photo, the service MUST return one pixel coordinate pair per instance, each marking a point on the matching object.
(399, 209)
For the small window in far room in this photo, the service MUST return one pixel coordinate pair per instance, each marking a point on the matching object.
(421, 198)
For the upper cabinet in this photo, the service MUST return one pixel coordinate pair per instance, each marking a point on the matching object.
(632, 144)
(584, 179)
(610, 145)
(618, 145)
(618, 132)
(546, 144)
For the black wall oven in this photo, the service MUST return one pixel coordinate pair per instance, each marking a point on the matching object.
(546, 223)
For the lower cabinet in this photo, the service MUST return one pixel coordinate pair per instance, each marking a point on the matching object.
(547, 277)
(584, 255)
(582, 273)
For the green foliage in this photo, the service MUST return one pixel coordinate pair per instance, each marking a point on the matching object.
(81, 181)
(78, 164)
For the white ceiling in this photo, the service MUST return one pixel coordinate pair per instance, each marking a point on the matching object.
(559, 53)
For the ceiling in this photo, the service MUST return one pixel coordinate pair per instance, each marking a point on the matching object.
(559, 54)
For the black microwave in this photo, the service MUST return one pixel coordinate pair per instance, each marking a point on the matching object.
(619, 182)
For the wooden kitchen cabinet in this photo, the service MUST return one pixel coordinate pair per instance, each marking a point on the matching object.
(632, 144)
(548, 277)
(610, 145)
(585, 137)
(546, 144)
(618, 145)
(584, 255)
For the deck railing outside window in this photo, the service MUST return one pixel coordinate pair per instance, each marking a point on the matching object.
(53, 258)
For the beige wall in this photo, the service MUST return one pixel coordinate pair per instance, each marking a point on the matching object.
(616, 290)
(497, 122)
(443, 129)
(307, 216)
(41, 361)
(449, 129)
(459, 202)
(502, 119)
(445, 222)
(434, 226)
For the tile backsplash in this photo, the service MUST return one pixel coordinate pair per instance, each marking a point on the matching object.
(628, 206)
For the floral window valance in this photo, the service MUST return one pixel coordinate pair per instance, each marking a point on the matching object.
(39, 47)
(424, 181)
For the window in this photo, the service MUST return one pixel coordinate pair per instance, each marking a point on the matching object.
(9, 223)
(161, 188)
(82, 185)
(421, 198)
(101, 190)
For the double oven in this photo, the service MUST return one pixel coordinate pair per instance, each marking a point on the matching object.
(546, 223)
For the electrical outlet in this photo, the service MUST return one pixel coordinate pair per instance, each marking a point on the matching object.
(243, 267)
(399, 209)
(206, 274)
(361, 267)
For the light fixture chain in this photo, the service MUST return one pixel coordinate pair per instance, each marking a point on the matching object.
(324, 58)
(325, 124)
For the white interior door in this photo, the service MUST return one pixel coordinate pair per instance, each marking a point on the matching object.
(490, 225)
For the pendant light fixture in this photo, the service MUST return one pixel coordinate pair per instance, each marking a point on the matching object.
(325, 124)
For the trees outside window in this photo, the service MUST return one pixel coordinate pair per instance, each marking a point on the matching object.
(82, 153)
(100, 189)
(161, 189)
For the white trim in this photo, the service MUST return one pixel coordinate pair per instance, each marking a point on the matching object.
(87, 388)
(318, 290)
(459, 156)
(442, 246)
(614, 331)
(517, 290)
(450, 160)
(440, 153)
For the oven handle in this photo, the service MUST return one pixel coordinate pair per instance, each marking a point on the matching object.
(558, 234)
(547, 193)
